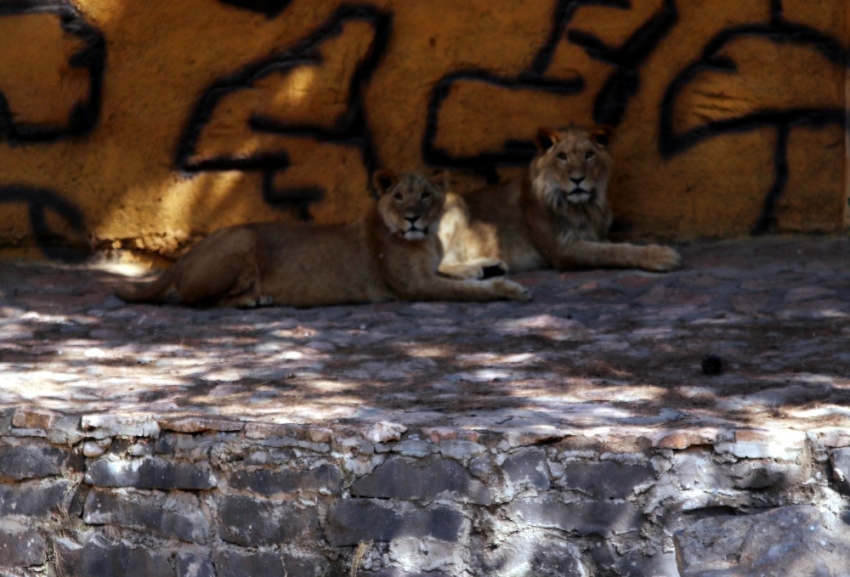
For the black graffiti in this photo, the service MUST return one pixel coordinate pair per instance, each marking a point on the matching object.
(624, 83)
(350, 128)
(513, 152)
(39, 201)
(298, 200)
(610, 103)
(780, 31)
(84, 115)
(270, 8)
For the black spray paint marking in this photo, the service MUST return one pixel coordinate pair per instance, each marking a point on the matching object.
(350, 129)
(84, 115)
(40, 200)
(779, 31)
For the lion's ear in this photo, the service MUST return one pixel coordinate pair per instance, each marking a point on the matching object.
(602, 135)
(384, 179)
(546, 138)
(440, 179)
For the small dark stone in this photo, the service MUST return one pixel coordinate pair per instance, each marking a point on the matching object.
(324, 479)
(21, 546)
(194, 564)
(351, 521)
(230, 564)
(305, 566)
(589, 518)
(105, 508)
(32, 461)
(35, 499)
(253, 522)
(527, 470)
(78, 503)
(607, 479)
(105, 558)
(164, 445)
(424, 479)
(149, 473)
(712, 365)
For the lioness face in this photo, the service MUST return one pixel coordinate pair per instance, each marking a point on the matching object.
(410, 203)
(572, 166)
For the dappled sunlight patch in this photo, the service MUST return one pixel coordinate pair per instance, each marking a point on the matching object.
(558, 328)
(426, 351)
(324, 386)
(296, 333)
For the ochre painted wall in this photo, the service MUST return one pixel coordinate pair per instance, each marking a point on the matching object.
(148, 124)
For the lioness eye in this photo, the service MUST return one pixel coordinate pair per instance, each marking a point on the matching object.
(589, 155)
(398, 197)
(425, 195)
(562, 156)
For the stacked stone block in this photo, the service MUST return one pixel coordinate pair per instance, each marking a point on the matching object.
(200, 498)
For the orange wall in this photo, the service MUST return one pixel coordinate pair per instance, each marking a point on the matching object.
(148, 124)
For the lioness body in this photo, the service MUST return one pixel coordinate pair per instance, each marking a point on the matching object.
(391, 253)
(556, 215)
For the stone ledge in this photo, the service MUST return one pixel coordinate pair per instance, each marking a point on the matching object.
(242, 506)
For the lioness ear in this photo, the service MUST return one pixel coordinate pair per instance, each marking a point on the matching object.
(440, 179)
(383, 180)
(546, 138)
(602, 135)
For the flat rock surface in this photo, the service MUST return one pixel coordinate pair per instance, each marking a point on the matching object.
(594, 349)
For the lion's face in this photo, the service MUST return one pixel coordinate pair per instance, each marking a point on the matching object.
(409, 204)
(572, 166)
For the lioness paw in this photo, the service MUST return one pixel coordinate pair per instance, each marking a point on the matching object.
(512, 290)
(661, 258)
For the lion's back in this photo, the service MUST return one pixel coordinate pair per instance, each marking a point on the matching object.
(320, 265)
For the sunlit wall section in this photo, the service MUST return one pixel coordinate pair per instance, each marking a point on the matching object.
(147, 125)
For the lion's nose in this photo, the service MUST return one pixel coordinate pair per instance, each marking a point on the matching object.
(578, 180)
(411, 219)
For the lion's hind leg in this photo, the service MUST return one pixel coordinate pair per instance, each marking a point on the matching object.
(226, 272)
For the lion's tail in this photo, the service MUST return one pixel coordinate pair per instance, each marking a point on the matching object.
(148, 292)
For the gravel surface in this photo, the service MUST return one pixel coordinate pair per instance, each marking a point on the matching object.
(750, 333)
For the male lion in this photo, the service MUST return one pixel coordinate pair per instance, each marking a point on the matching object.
(556, 215)
(391, 253)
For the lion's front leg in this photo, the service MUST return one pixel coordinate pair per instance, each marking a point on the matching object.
(482, 268)
(437, 288)
(587, 254)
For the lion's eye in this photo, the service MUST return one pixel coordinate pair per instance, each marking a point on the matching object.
(425, 195)
(589, 155)
(397, 196)
(562, 156)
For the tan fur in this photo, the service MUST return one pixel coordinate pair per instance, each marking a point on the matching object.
(392, 253)
(555, 216)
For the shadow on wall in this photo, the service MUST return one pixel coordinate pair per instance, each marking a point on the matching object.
(251, 137)
(72, 245)
(267, 132)
(21, 123)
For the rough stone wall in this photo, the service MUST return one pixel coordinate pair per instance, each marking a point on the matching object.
(147, 124)
(205, 497)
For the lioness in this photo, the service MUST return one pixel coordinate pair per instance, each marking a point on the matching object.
(556, 215)
(391, 253)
